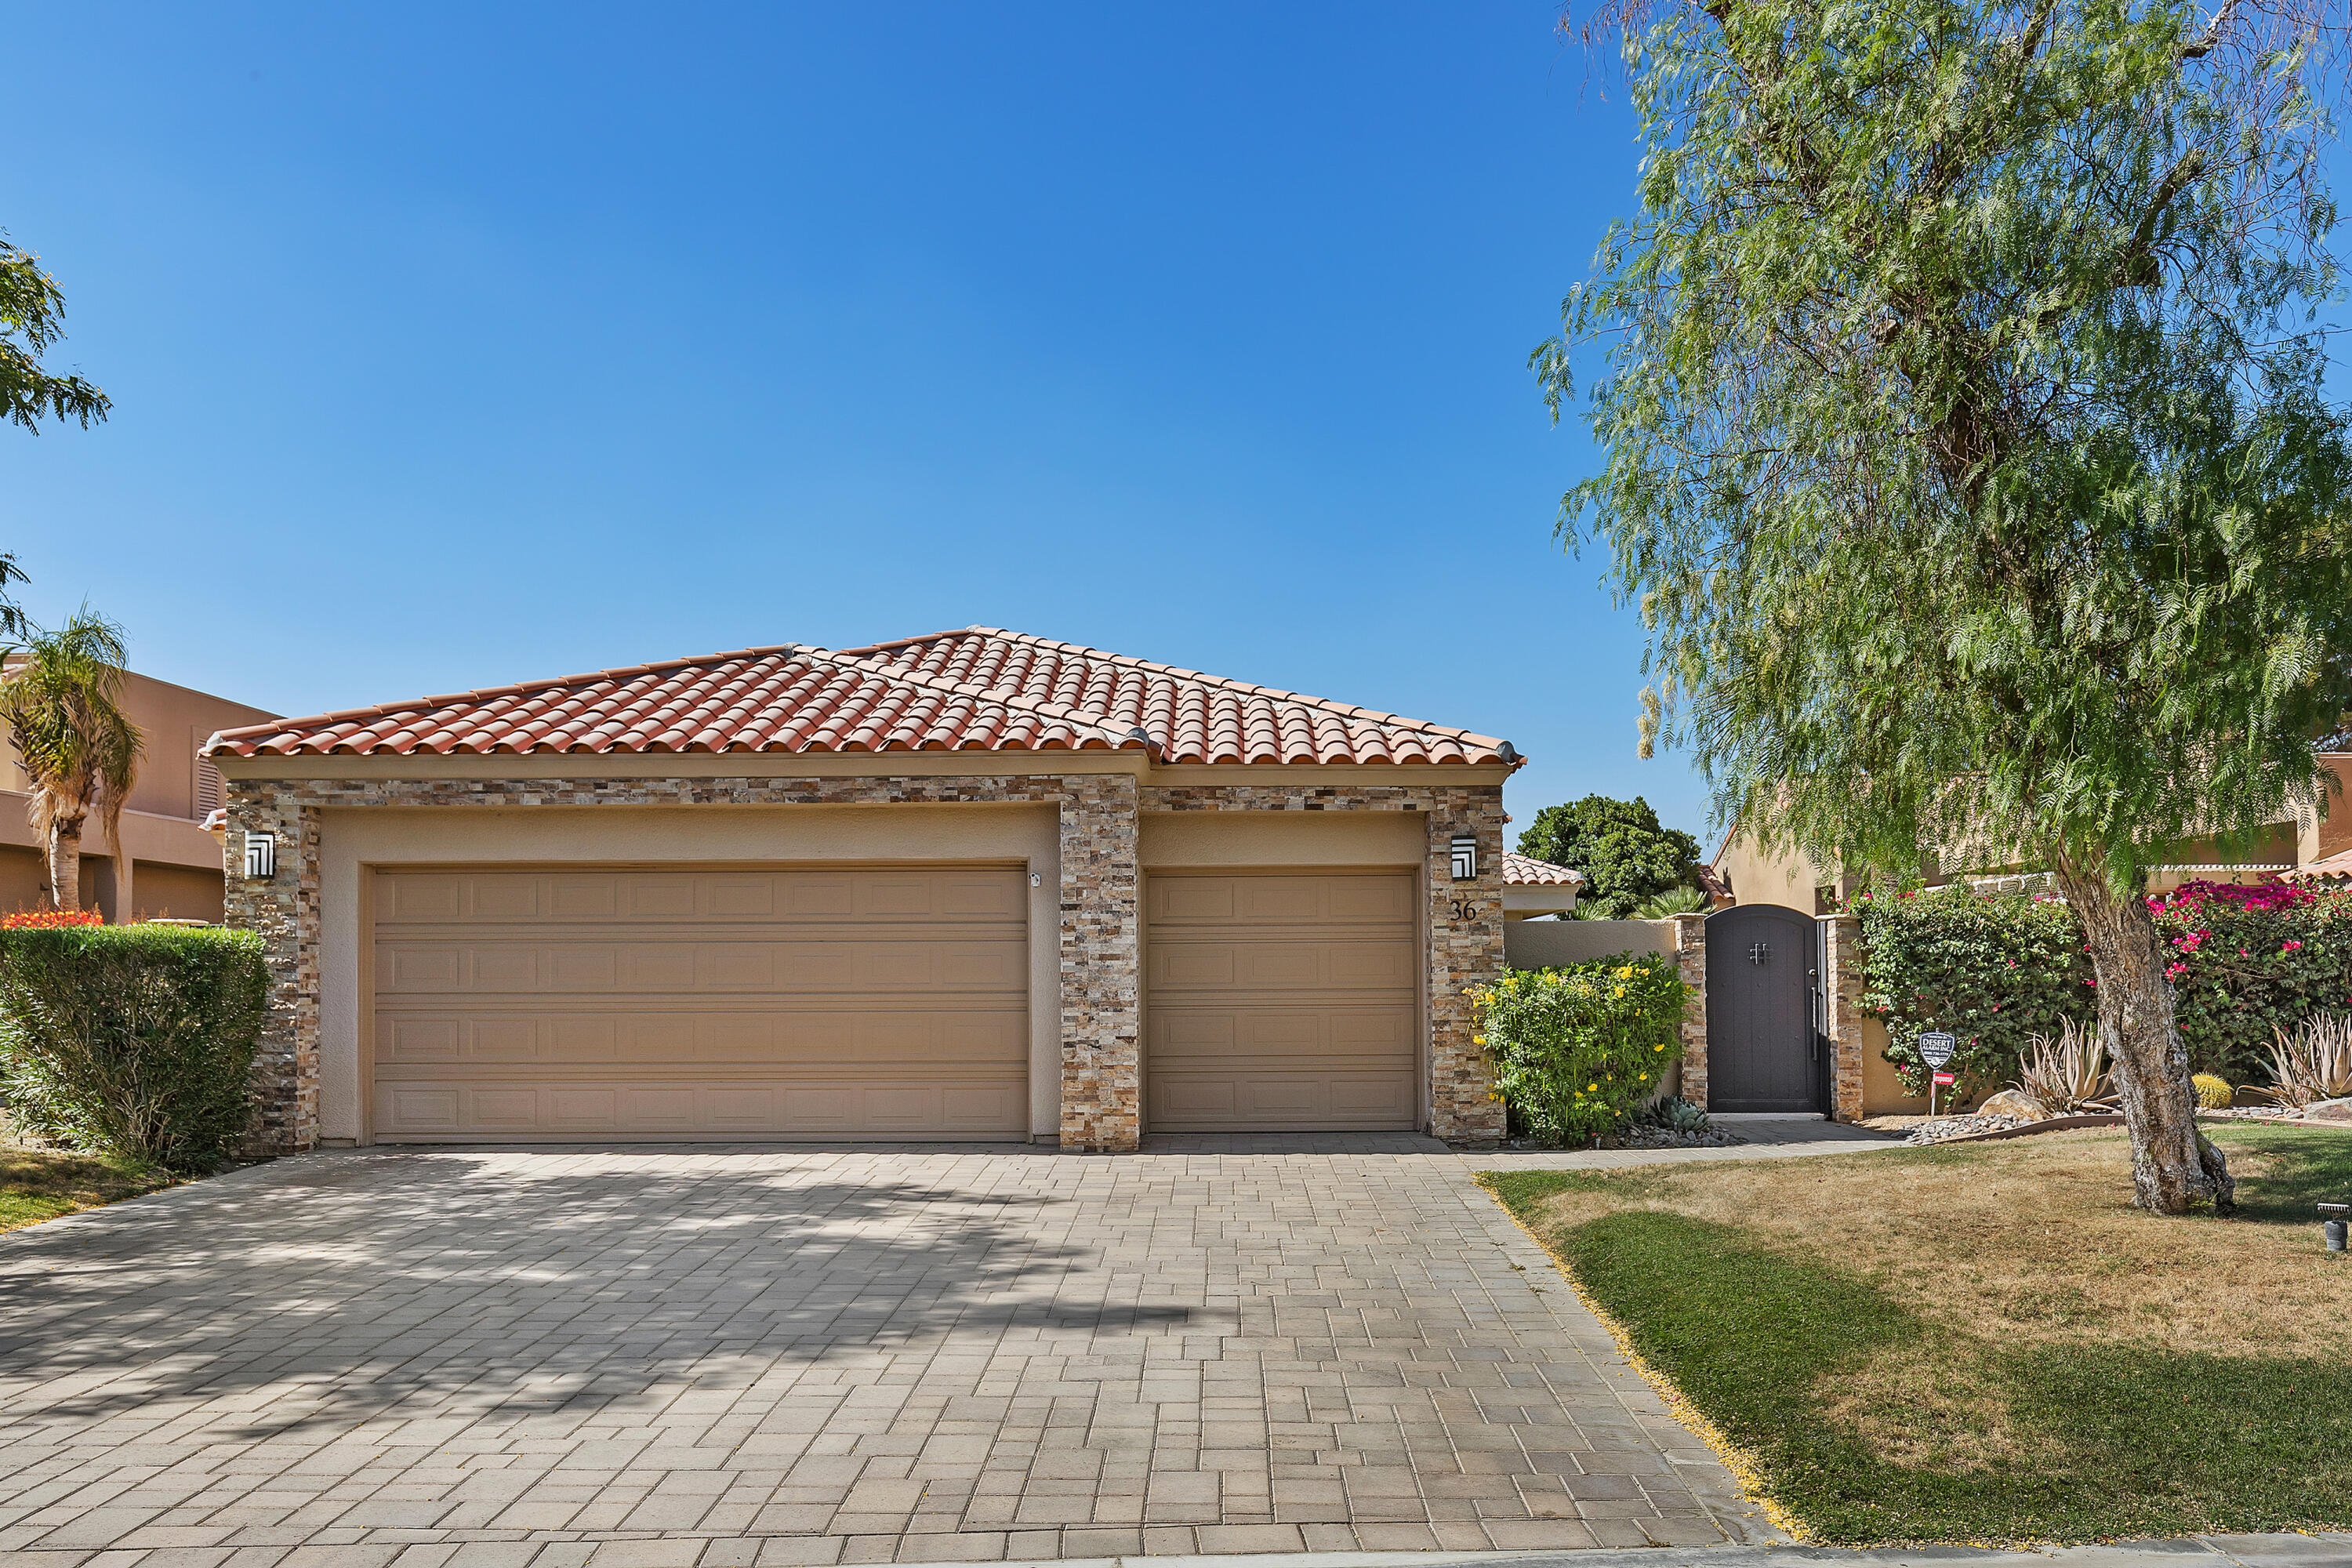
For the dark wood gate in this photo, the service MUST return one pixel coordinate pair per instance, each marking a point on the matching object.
(1764, 1045)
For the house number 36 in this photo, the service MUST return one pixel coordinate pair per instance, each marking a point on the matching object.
(1462, 909)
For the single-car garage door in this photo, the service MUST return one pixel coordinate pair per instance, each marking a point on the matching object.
(1282, 1002)
(582, 1003)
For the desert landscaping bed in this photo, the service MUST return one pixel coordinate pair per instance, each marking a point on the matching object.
(1987, 1343)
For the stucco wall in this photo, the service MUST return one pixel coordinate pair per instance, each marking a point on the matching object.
(1539, 944)
(1172, 840)
(351, 841)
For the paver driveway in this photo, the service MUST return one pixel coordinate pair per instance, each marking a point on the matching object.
(663, 1356)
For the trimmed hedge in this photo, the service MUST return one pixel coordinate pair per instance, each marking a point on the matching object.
(136, 1040)
(1579, 1049)
(1996, 969)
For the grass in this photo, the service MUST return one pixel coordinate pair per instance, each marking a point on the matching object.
(42, 1183)
(1987, 1342)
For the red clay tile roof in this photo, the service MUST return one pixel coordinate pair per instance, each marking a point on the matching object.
(1526, 871)
(1191, 716)
(978, 689)
(2334, 867)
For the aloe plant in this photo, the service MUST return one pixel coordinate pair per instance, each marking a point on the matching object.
(2068, 1074)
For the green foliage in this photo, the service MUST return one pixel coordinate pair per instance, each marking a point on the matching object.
(1625, 853)
(1578, 1048)
(2244, 963)
(132, 1040)
(1992, 972)
(61, 704)
(2212, 1093)
(1966, 445)
(1675, 901)
(31, 310)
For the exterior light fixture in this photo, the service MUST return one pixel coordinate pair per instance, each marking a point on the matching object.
(260, 857)
(1465, 856)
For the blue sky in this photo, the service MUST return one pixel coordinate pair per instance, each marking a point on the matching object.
(452, 346)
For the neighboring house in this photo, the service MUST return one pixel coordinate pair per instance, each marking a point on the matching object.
(1749, 877)
(1533, 886)
(974, 885)
(165, 865)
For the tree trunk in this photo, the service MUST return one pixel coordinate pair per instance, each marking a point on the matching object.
(65, 863)
(2173, 1166)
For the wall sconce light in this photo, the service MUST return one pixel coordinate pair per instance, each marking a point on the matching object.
(260, 857)
(1465, 856)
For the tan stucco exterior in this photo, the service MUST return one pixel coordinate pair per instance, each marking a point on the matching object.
(337, 818)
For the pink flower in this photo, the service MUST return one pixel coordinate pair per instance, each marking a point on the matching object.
(2289, 946)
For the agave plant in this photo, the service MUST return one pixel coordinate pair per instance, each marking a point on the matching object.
(2068, 1074)
(2313, 1063)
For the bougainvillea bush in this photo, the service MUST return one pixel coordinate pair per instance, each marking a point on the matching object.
(2246, 962)
(1995, 970)
(1991, 970)
(1578, 1049)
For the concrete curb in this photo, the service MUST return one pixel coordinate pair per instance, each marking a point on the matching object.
(2283, 1550)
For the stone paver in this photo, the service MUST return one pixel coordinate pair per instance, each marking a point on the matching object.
(717, 1357)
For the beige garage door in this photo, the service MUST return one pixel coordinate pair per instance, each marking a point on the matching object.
(1282, 1002)
(595, 1003)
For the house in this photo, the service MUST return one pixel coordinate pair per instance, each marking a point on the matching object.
(165, 864)
(1533, 886)
(1740, 873)
(974, 885)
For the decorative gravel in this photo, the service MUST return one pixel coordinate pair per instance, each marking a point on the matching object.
(1667, 1138)
(1963, 1127)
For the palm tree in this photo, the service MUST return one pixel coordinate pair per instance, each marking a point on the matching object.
(60, 698)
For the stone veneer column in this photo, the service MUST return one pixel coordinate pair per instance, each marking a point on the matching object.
(1841, 997)
(1466, 950)
(1690, 962)
(284, 912)
(1102, 1057)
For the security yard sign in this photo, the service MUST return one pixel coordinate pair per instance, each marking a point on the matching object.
(1936, 1049)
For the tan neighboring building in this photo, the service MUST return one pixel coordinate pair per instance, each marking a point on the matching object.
(1532, 888)
(166, 864)
(974, 885)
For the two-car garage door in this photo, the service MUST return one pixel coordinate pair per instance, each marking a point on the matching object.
(587, 1003)
(590, 1003)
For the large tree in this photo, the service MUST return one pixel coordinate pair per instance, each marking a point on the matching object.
(1966, 450)
(1627, 856)
(31, 316)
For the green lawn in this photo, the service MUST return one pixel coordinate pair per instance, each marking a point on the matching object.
(1988, 1344)
(42, 1183)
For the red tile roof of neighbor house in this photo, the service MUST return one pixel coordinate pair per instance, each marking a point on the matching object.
(1526, 871)
(975, 690)
(2334, 867)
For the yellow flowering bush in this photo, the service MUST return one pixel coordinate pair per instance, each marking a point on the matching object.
(1577, 1049)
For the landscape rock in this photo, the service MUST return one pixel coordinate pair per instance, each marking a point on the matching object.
(2330, 1111)
(1951, 1127)
(2018, 1103)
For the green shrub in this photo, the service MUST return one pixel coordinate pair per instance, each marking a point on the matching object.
(1577, 1049)
(135, 1040)
(1991, 970)
(2212, 1093)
